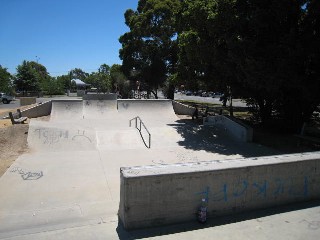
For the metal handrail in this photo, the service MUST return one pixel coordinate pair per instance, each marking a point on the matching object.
(141, 123)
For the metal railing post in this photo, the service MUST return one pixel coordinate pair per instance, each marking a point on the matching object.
(141, 124)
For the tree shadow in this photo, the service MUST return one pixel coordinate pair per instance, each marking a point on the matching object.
(216, 140)
(214, 221)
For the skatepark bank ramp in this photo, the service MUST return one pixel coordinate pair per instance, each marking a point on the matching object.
(107, 109)
(104, 124)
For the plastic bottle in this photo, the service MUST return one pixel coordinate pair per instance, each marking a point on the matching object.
(202, 212)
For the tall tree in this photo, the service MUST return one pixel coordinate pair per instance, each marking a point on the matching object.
(150, 48)
(206, 28)
(104, 68)
(272, 58)
(30, 76)
(119, 81)
(5, 80)
(78, 73)
(265, 50)
(300, 97)
(65, 81)
(52, 86)
(101, 79)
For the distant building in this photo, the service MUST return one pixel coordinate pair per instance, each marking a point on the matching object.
(80, 84)
(81, 87)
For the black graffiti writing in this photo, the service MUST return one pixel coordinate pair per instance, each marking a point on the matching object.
(27, 175)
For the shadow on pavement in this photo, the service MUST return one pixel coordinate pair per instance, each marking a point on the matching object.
(216, 140)
(216, 221)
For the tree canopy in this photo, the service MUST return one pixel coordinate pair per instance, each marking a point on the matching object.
(149, 48)
(264, 51)
(5, 80)
(78, 73)
(30, 76)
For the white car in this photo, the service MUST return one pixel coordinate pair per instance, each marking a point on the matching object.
(6, 99)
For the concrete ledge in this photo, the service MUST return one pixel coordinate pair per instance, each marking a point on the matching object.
(43, 109)
(94, 96)
(167, 194)
(238, 130)
(182, 109)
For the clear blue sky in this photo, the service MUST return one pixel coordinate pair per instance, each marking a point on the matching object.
(62, 34)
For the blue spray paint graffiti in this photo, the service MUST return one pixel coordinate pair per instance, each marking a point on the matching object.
(240, 190)
(260, 189)
(205, 194)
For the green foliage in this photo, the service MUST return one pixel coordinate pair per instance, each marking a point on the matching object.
(64, 81)
(273, 58)
(150, 48)
(120, 83)
(78, 73)
(104, 79)
(169, 86)
(265, 51)
(5, 80)
(52, 87)
(104, 68)
(109, 79)
(30, 76)
(204, 26)
(100, 80)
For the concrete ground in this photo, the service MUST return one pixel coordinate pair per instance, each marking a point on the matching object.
(67, 186)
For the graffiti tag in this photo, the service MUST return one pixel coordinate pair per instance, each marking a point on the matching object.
(27, 175)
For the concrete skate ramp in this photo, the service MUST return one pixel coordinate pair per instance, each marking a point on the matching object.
(52, 136)
(104, 124)
(157, 116)
(99, 109)
(159, 111)
(63, 110)
(119, 139)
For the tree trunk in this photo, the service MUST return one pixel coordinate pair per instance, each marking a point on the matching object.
(171, 92)
(155, 94)
(265, 110)
(231, 107)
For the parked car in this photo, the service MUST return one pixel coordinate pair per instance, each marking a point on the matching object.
(6, 99)
(199, 93)
(205, 94)
(188, 93)
(217, 95)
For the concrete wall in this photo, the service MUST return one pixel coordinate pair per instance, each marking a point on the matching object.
(94, 96)
(40, 110)
(81, 93)
(43, 109)
(182, 109)
(238, 130)
(167, 194)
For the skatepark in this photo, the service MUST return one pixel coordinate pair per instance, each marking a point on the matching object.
(87, 159)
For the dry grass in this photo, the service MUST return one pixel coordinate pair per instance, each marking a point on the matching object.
(13, 143)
